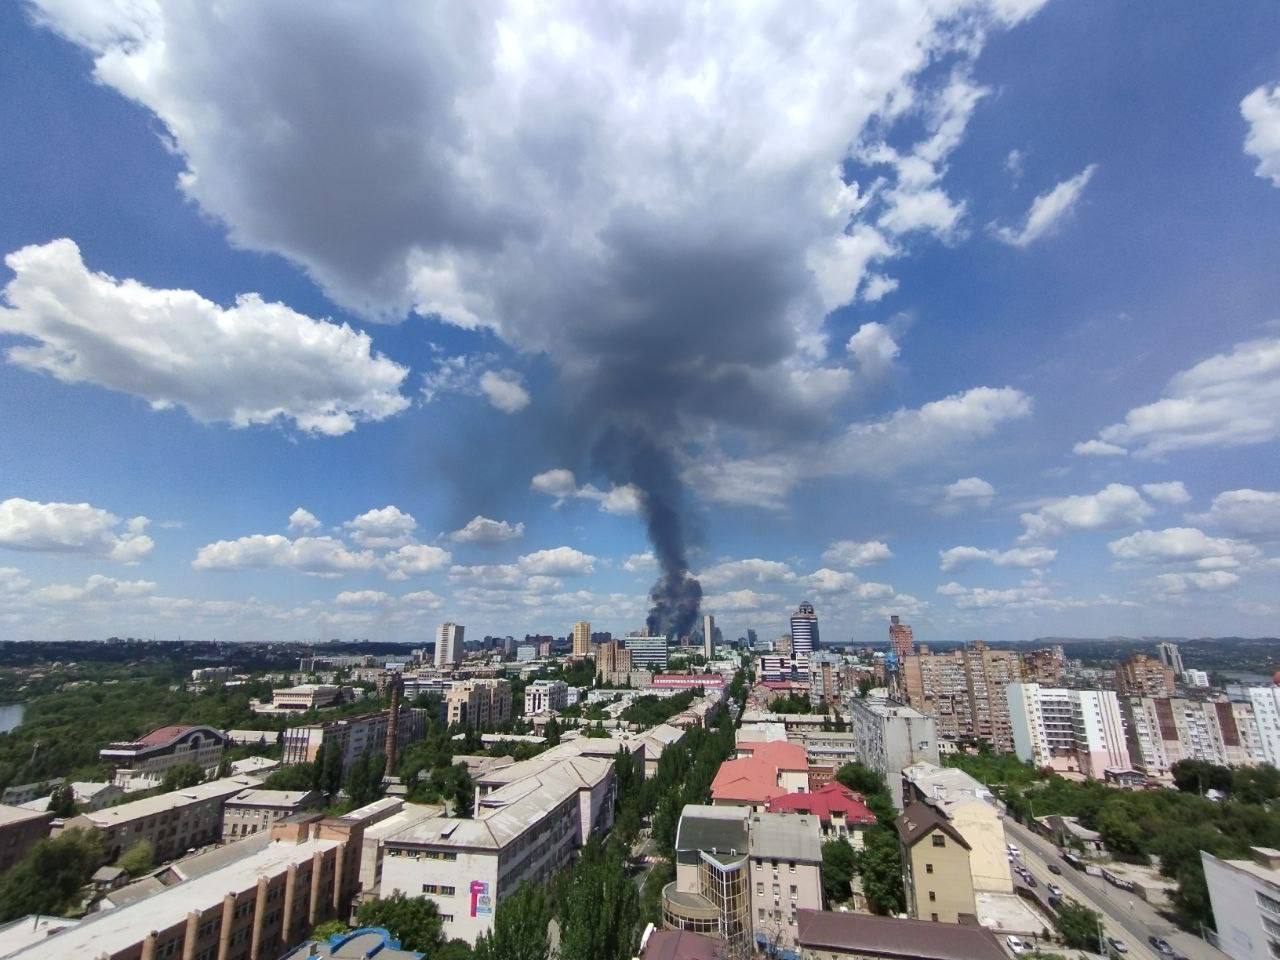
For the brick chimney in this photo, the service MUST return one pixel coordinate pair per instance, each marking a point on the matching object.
(393, 724)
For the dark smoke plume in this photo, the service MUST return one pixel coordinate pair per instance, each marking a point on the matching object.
(631, 456)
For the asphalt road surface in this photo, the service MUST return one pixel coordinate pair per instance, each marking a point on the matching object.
(1124, 915)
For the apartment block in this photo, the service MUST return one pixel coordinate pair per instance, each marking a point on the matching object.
(526, 829)
(969, 807)
(20, 830)
(1266, 713)
(1163, 730)
(252, 900)
(141, 764)
(1046, 666)
(545, 696)
(173, 823)
(1245, 895)
(479, 702)
(355, 736)
(965, 691)
(613, 659)
(647, 651)
(581, 639)
(890, 736)
(1141, 676)
(449, 639)
(1068, 730)
(255, 811)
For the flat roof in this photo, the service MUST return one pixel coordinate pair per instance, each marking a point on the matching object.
(111, 816)
(111, 931)
(703, 827)
(271, 798)
(11, 815)
(786, 836)
(412, 815)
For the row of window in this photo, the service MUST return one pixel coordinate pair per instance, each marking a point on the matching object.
(439, 889)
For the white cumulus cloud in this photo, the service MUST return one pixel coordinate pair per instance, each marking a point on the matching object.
(1245, 513)
(622, 500)
(1097, 448)
(857, 553)
(1114, 505)
(1048, 210)
(957, 558)
(1173, 492)
(72, 528)
(318, 556)
(557, 562)
(1261, 110)
(386, 527)
(303, 521)
(1183, 545)
(254, 362)
(504, 390)
(414, 560)
(484, 530)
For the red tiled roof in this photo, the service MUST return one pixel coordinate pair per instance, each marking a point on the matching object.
(754, 779)
(822, 803)
(163, 735)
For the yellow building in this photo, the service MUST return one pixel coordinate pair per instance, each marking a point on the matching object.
(935, 867)
(582, 639)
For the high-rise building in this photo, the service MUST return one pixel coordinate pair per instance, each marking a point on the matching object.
(1068, 730)
(804, 632)
(478, 702)
(1266, 713)
(1046, 666)
(891, 737)
(1164, 730)
(647, 651)
(966, 691)
(1140, 676)
(581, 639)
(708, 636)
(1171, 657)
(901, 638)
(449, 644)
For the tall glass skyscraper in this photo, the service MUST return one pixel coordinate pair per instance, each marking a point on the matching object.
(804, 632)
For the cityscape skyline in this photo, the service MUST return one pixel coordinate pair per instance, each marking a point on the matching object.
(997, 374)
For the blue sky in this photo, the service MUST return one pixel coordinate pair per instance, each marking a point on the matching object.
(971, 320)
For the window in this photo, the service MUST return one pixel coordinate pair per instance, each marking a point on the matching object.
(932, 897)
(939, 840)
(933, 917)
(928, 868)
(794, 890)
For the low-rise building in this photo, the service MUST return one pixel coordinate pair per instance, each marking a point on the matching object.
(1245, 895)
(172, 823)
(355, 736)
(254, 900)
(841, 813)
(968, 806)
(761, 772)
(303, 697)
(359, 944)
(935, 867)
(88, 795)
(545, 696)
(827, 935)
(141, 764)
(20, 830)
(254, 811)
(891, 736)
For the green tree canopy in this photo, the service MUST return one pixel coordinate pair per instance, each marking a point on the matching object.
(1077, 925)
(50, 878)
(838, 868)
(415, 922)
(138, 859)
(599, 908)
(182, 776)
(519, 927)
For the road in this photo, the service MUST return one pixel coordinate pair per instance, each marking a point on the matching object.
(1124, 915)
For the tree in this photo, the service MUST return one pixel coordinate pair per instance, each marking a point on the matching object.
(880, 864)
(414, 922)
(552, 732)
(181, 776)
(1077, 925)
(62, 802)
(519, 927)
(838, 866)
(138, 859)
(1260, 784)
(1197, 776)
(861, 779)
(49, 879)
(329, 928)
(599, 907)
(299, 776)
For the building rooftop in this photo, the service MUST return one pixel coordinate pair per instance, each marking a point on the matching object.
(872, 936)
(754, 779)
(356, 945)
(830, 799)
(112, 931)
(282, 799)
(11, 815)
(887, 708)
(786, 836)
(722, 829)
(679, 945)
(110, 816)
(374, 812)
(412, 815)
(28, 930)
(163, 735)
(920, 819)
(945, 787)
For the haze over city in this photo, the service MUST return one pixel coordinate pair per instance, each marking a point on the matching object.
(342, 322)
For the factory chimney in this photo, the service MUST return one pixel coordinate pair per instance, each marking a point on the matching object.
(393, 724)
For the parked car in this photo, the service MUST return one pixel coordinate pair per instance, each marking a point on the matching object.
(1031, 881)
(1017, 944)
(1054, 902)
(1055, 869)
(1055, 890)
(1162, 946)
(1117, 945)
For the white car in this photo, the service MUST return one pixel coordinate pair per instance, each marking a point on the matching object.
(1017, 945)
(1054, 890)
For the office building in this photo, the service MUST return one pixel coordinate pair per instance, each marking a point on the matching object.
(172, 823)
(969, 807)
(708, 636)
(1245, 895)
(1266, 714)
(1171, 657)
(742, 877)
(647, 652)
(300, 699)
(1195, 678)
(901, 638)
(355, 736)
(141, 764)
(545, 696)
(449, 644)
(525, 830)
(251, 900)
(965, 691)
(935, 867)
(1140, 676)
(20, 830)
(581, 639)
(1068, 730)
(836, 935)
(889, 736)
(1162, 731)
(804, 632)
(478, 702)
(254, 811)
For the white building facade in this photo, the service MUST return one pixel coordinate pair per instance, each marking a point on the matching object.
(1068, 730)
(449, 644)
(1266, 714)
